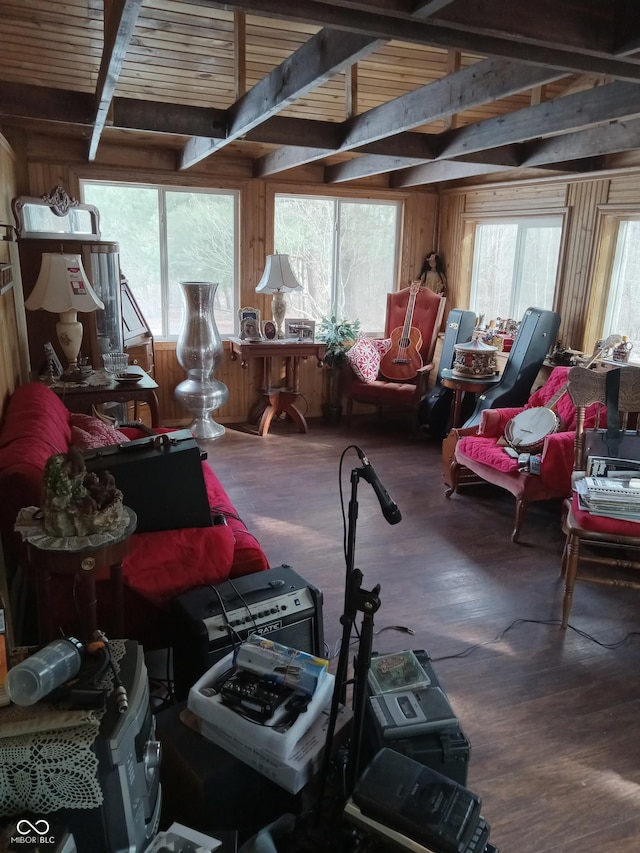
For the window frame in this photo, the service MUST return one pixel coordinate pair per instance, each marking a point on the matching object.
(471, 221)
(161, 191)
(399, 201)
(607, 231)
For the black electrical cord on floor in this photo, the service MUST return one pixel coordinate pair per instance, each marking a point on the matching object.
(502, 634)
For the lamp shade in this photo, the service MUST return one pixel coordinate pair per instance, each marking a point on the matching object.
(62, 285)
(278, 276)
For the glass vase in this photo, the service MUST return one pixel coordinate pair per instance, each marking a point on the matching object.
(199, 352)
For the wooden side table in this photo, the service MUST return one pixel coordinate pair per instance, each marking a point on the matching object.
(277, 399)
(461, 384)
(100, 387)
(84, 564)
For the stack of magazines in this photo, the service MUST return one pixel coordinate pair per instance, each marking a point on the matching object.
(611, 488)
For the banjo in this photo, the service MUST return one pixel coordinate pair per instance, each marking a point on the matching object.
(527, 430)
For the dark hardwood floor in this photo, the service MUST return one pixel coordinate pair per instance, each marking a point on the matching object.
(553, 717)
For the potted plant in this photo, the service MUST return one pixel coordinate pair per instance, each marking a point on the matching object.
(338, 335)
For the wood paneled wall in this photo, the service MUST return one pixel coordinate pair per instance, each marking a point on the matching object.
(582, 201)
(441, 222)
(50, 166)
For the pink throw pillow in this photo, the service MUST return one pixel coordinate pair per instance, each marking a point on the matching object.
(364, 358)
(87, 432)
(383, 345)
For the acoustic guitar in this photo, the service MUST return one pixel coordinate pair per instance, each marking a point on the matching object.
(527, 430)
(402, 361)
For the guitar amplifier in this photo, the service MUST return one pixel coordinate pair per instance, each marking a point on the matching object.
(210, 621)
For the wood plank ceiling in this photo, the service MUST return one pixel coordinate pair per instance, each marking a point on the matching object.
(415, 92)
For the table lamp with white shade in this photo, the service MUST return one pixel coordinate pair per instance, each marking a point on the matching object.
(63, 288)
(278, 278)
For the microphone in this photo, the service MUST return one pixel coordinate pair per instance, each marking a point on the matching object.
(389, 507)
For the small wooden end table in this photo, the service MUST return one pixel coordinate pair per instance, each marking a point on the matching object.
(84, 564)
(277, 399)
(101, 387)
(461, 384)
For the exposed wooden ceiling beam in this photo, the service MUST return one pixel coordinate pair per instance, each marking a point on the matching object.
(120, 18)
(558, 151)
(22, 100)
(570, 113)
(591, 59)
(593, 142)
(322, 56)
(504, 156)
(487, 80)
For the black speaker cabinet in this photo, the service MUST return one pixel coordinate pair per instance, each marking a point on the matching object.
(536, 336)
(210, 621)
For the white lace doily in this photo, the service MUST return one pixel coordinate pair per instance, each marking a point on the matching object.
(30, 527)
(46, 769)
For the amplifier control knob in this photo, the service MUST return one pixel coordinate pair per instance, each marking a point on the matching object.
(152, 758)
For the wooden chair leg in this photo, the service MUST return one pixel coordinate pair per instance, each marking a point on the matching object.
(349, 412)
(563, 564)
(571, 572)
(454, 469)
(521, 508)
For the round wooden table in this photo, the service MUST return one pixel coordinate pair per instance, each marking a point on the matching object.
(461, 384)
(84, 564)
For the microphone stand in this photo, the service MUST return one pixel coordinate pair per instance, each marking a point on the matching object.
(357, 600)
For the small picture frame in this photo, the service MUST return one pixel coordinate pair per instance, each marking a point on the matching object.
(249, 324)
(52, 362)
(269, 331)
(300, 329)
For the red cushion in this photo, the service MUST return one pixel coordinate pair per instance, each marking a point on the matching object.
(382, 393)
(486, 451)
(601, 524)
(166, 563)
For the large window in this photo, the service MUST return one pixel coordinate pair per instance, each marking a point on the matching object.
(344, 253)
(622, 315)
(167, 235)
(515, 266)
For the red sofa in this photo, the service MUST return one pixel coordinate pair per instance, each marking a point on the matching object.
(160, 565)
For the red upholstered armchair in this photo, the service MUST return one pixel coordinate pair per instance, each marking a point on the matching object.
(367, 385)
(476, 454)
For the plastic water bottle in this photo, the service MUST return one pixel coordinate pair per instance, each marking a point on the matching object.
(42, 672)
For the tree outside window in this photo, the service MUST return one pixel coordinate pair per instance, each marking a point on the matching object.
(167, 235)
(622, 315)
(515, 266)
(344, 253)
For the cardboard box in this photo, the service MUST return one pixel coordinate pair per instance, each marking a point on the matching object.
(208, 706)
(291, 773)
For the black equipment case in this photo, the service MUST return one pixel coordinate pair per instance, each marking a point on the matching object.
(435, 407)
(447, 751)
(536, 336)
(160, 478)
